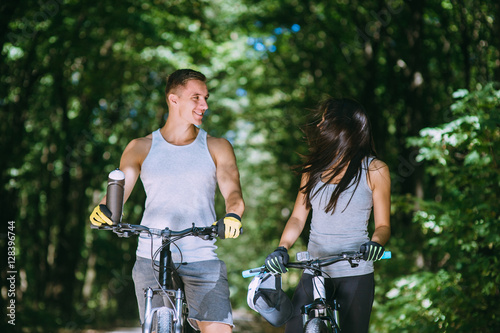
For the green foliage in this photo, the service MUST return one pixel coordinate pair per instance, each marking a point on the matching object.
(457, 288)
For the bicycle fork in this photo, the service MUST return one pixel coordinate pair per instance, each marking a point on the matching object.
(178, 319)
(319, 308)
(148, 318)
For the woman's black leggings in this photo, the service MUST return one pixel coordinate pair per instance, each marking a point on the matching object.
(354, 295)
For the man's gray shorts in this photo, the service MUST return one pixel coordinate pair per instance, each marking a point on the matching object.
(205, 286)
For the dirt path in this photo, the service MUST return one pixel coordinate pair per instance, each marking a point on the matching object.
(245, 322)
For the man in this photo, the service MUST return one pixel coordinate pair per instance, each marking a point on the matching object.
(180, 167)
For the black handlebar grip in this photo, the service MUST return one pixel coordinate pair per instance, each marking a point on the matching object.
(114, 195)
(221, 229)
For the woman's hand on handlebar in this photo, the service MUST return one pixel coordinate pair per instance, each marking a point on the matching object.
(276, 262)
(372, 251)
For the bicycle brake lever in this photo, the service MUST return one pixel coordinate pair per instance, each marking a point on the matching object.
(124, 234)
(206, 237)
(353, 264)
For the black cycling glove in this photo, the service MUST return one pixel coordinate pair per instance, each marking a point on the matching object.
(372, 251)
(276, 262)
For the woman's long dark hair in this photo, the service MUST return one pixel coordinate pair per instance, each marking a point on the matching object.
(342, 139)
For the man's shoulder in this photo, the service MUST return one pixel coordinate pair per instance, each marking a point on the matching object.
(142, 142)
(139, 147)
(220, 149)
(218, 143)
(216, 139)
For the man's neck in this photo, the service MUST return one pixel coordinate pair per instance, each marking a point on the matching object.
(179, 134)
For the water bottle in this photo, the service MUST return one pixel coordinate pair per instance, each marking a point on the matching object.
(114, 195)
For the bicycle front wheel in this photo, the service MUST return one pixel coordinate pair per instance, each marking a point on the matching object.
(315, 325)
(163, 323)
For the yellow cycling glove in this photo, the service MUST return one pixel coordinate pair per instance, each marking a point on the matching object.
(232, 225)
(101, 215)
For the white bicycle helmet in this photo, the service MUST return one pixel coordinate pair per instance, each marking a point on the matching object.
(266, 297)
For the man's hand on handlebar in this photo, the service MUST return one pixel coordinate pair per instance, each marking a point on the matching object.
(232, 225)
(101, 215)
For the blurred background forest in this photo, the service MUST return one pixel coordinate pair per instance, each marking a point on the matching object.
(80, 79)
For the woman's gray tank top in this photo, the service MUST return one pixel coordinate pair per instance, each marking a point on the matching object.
(344, 230)
(180, 185)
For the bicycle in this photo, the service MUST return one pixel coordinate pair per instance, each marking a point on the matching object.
(166, 319)
(318, 316)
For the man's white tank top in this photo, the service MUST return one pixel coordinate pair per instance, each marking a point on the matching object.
(180, 183)
(344, 230)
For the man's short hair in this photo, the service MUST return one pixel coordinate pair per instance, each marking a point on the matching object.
(180, 77)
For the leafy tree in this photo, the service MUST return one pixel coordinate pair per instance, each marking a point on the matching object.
(455, 287)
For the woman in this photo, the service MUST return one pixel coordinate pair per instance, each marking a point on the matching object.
(342, 181)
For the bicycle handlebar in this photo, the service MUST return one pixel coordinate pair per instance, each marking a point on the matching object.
(128, 230)
(317, 263)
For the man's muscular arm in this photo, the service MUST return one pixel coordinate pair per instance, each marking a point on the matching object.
(228, 176)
